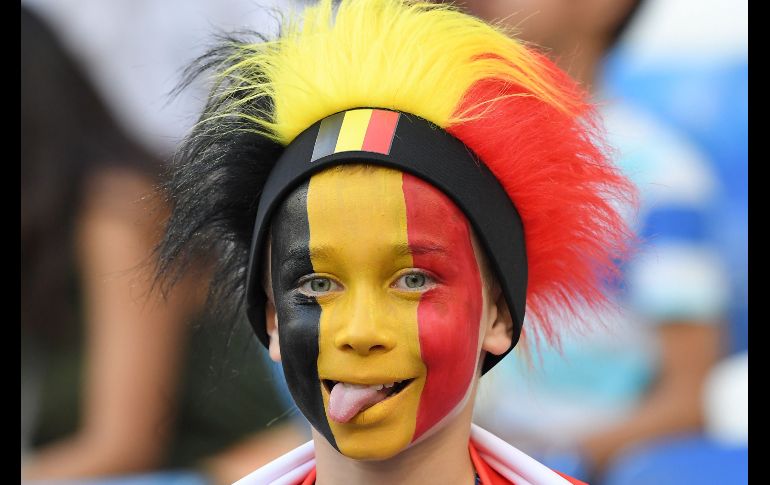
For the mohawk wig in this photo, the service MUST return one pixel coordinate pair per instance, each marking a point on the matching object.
(526, 120)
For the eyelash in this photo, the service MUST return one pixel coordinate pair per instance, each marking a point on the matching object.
(309, 279)
(429, 282)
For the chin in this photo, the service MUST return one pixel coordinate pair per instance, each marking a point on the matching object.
(372, 449)
(369, 437)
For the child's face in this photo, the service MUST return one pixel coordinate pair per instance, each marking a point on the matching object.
(375, 281)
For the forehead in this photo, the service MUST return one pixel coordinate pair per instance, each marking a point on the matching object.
(372, 206)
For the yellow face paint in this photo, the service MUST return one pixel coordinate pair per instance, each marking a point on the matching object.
(368, 331)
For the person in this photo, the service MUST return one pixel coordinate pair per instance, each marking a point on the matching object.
(114, 378)
(601, 394)
(385, 187)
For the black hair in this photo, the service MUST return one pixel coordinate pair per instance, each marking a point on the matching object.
(213, 186)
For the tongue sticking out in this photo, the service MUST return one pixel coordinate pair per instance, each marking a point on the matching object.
(347, 400)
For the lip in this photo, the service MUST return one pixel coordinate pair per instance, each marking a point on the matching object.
(367, 381)
(383, 409)
(400, 385)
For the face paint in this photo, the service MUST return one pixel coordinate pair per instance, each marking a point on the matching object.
(369, 330)
(382, 288)
(299, 316)
(449, 315)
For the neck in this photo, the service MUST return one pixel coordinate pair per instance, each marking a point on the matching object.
(442, 457)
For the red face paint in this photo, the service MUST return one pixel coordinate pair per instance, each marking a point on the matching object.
(448, 315)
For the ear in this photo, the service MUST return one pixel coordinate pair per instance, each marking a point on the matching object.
(499, 332)
(271, 320)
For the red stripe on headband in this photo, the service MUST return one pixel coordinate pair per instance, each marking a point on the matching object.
(379, 133)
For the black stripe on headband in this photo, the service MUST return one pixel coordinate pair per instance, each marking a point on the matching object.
(416, 146)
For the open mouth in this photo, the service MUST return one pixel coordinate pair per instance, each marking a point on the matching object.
(390, 388)
(347, 400)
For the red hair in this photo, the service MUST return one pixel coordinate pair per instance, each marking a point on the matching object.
(560, 178)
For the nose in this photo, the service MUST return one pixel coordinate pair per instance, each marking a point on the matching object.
(364, 328)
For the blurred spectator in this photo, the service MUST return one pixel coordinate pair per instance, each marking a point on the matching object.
(699, 84)
(135, 50)
(113, 381)
(641, 375)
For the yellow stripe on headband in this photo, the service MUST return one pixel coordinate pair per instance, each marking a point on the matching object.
(353, 130)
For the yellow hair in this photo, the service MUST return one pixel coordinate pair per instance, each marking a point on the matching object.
(415, 57)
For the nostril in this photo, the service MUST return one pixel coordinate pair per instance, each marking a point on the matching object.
(363, 343)
(364, 349)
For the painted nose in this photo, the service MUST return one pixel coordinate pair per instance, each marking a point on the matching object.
(364, 329)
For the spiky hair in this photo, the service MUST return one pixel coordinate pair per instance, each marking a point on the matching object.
(525, 119)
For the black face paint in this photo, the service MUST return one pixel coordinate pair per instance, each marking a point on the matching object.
(299, 316)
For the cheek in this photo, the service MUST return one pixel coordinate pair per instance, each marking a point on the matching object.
(448, 316)
(299, 323)
(448, 329)
(299, 336)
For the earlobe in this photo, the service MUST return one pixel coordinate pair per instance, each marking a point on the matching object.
(271, 320)
(499, 334)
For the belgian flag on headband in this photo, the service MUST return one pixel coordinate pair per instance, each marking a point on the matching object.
(368, 130)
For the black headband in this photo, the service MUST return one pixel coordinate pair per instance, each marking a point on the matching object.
(416, 146)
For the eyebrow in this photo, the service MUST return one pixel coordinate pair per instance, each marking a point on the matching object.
(419, 248)
(300, 253)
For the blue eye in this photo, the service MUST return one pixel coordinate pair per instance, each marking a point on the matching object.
(318, 286)
(414, 281)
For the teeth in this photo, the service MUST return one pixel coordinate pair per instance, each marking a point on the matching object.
(376, 387)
